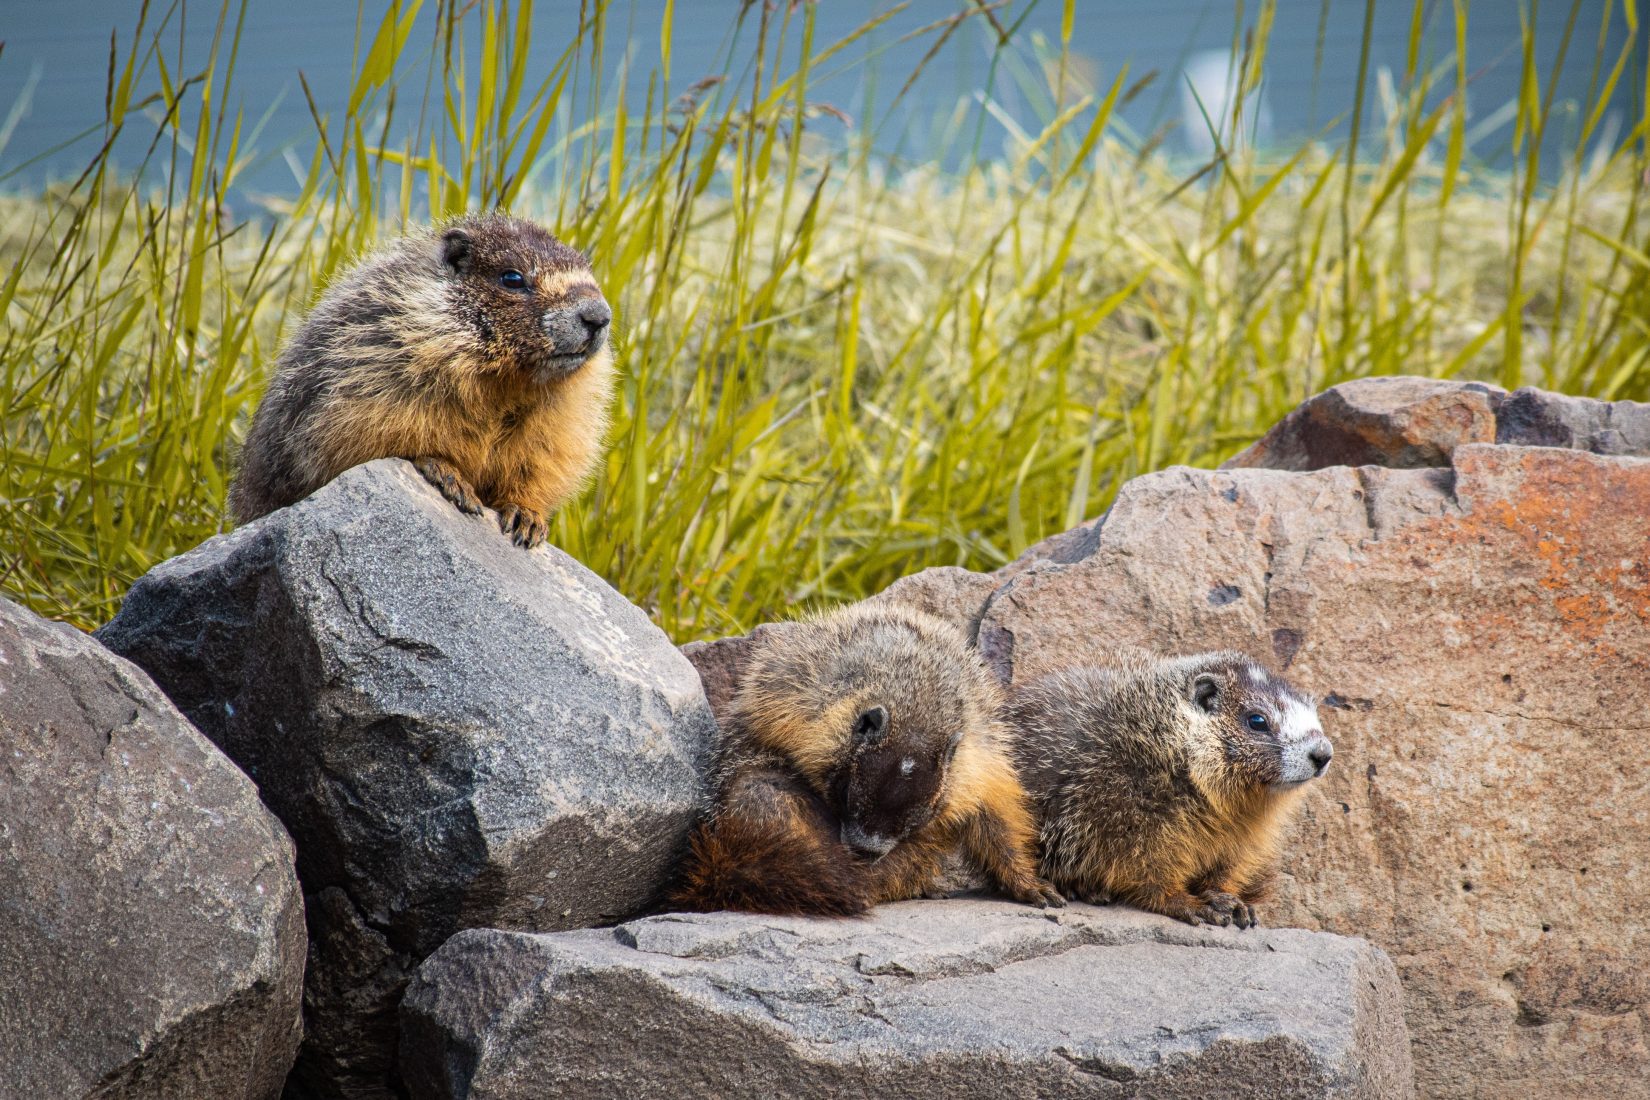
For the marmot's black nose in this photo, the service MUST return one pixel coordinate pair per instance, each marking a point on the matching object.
(595, 314)
(1320, 755)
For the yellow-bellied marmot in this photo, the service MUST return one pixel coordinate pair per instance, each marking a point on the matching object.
(864, 747)
(1165, 782)
(478, 350)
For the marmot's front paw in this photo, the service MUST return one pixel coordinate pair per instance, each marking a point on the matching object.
(1226, 909)
(525, 527)
(1091, 895)
(1034, 891)
(445, 477)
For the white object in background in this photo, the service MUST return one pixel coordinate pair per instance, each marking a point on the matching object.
(1207, 88)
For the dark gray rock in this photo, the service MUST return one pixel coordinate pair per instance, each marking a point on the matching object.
(1537, 418)
(151, 929)
(457, 732)
(961, 999)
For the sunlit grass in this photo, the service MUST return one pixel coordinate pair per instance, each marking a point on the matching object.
(833, 375)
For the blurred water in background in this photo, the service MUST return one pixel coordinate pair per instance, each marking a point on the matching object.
(54, 64)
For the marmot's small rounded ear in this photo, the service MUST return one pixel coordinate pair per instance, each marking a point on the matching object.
(1206, 691)
(456, 249)
(871, 724)
(951, 746)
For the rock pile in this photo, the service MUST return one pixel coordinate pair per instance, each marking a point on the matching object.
(487, 761)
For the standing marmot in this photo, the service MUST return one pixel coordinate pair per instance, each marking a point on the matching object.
(864, 747)
(1165, 782)
(478, 351)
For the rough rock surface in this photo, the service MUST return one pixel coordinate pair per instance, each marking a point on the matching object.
(456, 731)
(151, 929)
(1407, 422)
(961, 999)
(1480, 638)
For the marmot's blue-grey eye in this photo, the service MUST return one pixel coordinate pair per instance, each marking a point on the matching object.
(1258, 723)
(514, 280)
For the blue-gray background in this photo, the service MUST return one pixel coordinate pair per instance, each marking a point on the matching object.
(52, 70)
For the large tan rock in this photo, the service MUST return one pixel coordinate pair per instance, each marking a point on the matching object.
(1480, 636)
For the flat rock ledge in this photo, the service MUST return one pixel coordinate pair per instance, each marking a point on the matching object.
(457, 732)
(960, 998)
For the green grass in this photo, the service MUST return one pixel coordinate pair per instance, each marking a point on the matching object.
(832, 376)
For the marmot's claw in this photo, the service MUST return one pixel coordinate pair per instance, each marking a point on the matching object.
(525, 527)
(446, 478)
(1232, 909)
(1037, 892)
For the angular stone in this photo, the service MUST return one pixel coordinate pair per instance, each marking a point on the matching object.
(151, 929)
(1536, 418)
(1480, 638)
(1405, 422)
(961, 999)
(1397, 421)
(456, 731)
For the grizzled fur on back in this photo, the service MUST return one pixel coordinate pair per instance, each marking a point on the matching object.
(863, 747)
(421, 351)
(1165, 782)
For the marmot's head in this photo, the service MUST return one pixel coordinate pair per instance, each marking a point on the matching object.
(1266, 732)
(879, 707)
(533, 304)
(893, 781)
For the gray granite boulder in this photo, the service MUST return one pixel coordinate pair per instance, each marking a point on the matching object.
(959, 999)
(1405, 422)
(457, 732)
(151, 928)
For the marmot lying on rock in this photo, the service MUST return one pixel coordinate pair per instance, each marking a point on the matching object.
(864, 747)
(1165, 782)
(478, 351)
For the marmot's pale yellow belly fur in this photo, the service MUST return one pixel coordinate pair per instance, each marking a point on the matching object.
(477, 350)
(865, 746)
(1166, 782)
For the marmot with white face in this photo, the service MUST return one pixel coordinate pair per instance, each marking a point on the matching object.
(1166, 782)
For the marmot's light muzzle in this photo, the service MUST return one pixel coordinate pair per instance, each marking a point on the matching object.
(866, 843)
(578, 329)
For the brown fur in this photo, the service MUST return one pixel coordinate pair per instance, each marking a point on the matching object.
(864, 747)
(1152, 789)
(497, 395)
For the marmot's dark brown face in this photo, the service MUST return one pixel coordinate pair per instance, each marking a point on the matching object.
(891, 785)
(532, 299)
(1269, 731)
